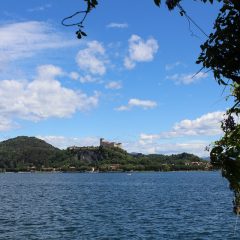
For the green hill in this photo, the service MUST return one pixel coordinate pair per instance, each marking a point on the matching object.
(30, 153)
(115, 159)
(22, 152)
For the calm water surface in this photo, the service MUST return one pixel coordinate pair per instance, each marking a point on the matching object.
(174, 205)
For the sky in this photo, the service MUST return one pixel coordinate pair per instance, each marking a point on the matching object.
(130, 80)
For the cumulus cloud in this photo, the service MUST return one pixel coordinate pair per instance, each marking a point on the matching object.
(134, 102)
(92, 59)
(42, 98)
(140, 51)
(24, 39)
(187, 79)
(207, 125)
(63, 142)
(49, 72)
(167, 142)
(114, 85)
(117, 25)
(148, 147)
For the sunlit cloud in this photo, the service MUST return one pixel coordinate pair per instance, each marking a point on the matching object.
(207, 125)
(43, 97)
(195, 147)
(134, 102)
(187, 79)
(92, 59)
(140, 51)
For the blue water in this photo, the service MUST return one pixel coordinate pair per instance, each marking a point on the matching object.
(174, 205)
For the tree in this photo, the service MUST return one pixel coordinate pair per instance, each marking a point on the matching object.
(221, 55)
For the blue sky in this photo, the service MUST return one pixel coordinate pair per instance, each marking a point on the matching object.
(129, 81)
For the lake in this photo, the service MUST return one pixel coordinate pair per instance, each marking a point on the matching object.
(161, 205)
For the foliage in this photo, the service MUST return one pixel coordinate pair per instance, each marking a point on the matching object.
(29, 154)
(221, 54)
(21, 152)
(91, 4)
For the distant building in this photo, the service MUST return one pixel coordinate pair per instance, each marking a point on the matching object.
(73, 148)
(104, 143)
(114, 167)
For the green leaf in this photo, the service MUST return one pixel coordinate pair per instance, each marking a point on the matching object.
(157, 2)
(94, 2)
(83, 33)
(198, 61)
(220, 81)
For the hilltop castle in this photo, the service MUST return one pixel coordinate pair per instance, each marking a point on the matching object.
(104, 143)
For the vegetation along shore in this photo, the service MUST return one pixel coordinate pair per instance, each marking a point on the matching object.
(29, 154)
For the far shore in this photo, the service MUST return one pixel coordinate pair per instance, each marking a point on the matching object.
(91, 172)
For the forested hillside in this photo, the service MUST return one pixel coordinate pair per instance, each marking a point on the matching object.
(32, 154)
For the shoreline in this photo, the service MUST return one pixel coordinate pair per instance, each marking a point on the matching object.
(90, 172)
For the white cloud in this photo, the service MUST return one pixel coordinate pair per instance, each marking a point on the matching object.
(134, 102)
(63, 142)
(113, 85)
(88, 79)
(40, 8)
(150, 137)
(42, 98)
(7, 124)
(207, 125)
(187, 79)
(49, 72)
(24, 39)
(92, 59)
(74, 75)
(128, 63)
(117, 25)
(140, 51)
(147, 147)
(168, 143)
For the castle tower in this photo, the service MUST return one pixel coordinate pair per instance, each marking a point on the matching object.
(101, 141)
